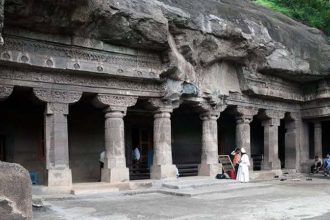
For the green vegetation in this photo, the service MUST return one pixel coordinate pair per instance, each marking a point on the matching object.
(315, 13)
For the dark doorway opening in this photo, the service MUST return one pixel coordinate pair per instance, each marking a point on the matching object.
(281, 142)
(86, 140)
(325, 138)
(21, 133)
(186, 140)
(257, 142)
(226, 132)
(139, 134)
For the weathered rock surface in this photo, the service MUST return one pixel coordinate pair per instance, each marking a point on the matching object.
(15, 192)
(203, 43)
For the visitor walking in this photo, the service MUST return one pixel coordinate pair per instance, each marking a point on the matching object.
(243, 168)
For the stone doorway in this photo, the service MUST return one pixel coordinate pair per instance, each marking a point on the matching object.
(139, 134)
(226, 132)
(86, 139)
(325, 138)
(21, 133)
(281, 142)
(257, 142)
(186, 140)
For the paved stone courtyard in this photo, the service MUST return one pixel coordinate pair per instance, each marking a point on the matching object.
(263, 200)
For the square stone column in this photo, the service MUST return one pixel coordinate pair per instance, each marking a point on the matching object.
(115, 169)
(318, 139)
(243, 135)
(271, 160)
(57, 150)
(243, 131)
(56, 134)
(210, 165)
(162, 166)
(291, 144)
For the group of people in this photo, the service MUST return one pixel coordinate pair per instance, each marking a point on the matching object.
(321, 164)
(241, 163)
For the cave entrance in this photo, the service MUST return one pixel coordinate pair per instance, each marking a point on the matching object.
(186, 140)
(86, 139)
(21, 133)
(139, 134)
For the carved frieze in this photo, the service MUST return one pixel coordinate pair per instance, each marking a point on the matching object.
(58, 96)
(81, 80)
(5, 91)
(67, 57)
(117, 102)
(271, 87)
(246, 101)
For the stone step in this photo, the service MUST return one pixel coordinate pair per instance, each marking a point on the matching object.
(265, 174)
(93, 188)
(222, 188)
(195, 182)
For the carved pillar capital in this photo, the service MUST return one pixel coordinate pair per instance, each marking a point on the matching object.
(5, 91)
(273, 118)
(210, 115)
(163, 106)
(272, 114)
(317, 124)
(57, 108)
(57, 96)
(245, 114)
(118, 103)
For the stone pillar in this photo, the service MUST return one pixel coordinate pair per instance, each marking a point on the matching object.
(291, 142)
(318, 138)
(56, 134)
(271, 160)
(209, 162)
(162, 166)
(243, 132)
(115, 169)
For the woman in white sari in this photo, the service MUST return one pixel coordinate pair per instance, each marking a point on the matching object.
(243, 168)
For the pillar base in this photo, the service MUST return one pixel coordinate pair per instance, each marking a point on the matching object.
(114, 175)
(271, 165)
(209, 169)
(163, 171)
(60, 178)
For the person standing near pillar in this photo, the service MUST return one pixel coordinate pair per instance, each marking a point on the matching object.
(237, 157)
(243, 169)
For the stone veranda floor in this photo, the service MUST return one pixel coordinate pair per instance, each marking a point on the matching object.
(290, 199)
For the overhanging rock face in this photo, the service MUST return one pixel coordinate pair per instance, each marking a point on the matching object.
(15, 192)
(217, 46)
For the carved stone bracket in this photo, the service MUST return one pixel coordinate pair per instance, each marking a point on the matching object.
(117, 102)
(57, 96)
(5, 92)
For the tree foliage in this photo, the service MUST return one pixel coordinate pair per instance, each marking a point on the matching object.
(315, 13)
